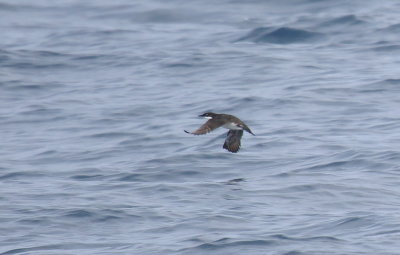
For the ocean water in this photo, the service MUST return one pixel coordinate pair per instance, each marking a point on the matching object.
(95, 95)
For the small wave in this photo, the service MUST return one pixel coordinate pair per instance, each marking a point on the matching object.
(395, 28)
(47, 152)
(294, 253)
(173, 173)
(234, 181)
(283, 35)
(101, 215)
(26, 65)
(79, 214)
(44, 53)
(30, 59)
(387, 48)
(8, 7)
(313, 238)
(392, 81)
(31, 249)
(387, 85)
(273, 240)
(19, 175)
(41, 110)
(389, 232)
(354, 223)
(166, 16)
(228, 242)
(86, 177)
(132, 178)
(330, 165)
(62, 247)
(179, 65)
(347, 20)
(389, 156)
(112, 135)
(20, 86)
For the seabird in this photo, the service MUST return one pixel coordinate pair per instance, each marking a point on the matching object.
(234, 124)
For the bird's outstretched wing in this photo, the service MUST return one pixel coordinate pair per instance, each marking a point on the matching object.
(232, 141)
(207, 127)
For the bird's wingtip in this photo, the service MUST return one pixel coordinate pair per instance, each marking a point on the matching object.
(186, 131)
(251, 132)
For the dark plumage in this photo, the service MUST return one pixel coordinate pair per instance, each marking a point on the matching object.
(232, 141)
(234, 124)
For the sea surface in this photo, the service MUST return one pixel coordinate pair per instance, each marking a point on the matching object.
(95, 95)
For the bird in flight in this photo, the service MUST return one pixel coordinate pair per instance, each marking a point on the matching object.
(234, 124)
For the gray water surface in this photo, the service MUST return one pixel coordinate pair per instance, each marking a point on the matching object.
(95, 95)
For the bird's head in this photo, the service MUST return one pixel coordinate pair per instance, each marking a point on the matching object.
(208, 115)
